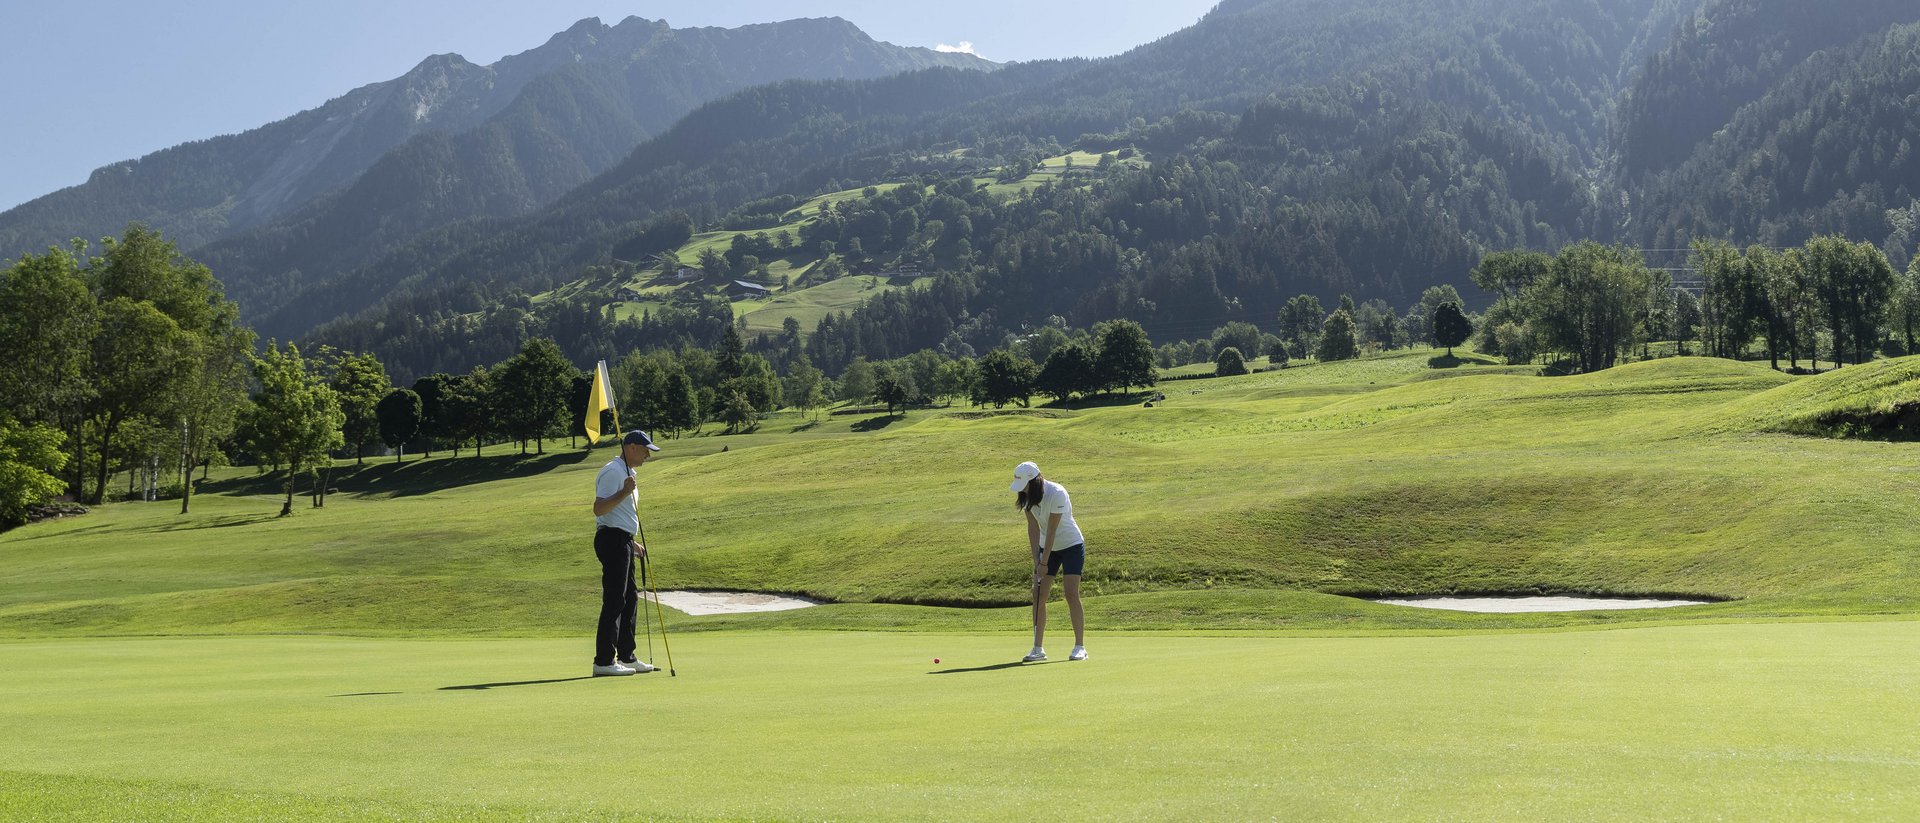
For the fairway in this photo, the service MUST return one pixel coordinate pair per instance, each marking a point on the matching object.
(416, 650)
(1703, 722)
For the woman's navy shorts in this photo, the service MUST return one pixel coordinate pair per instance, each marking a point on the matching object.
(1068, 561)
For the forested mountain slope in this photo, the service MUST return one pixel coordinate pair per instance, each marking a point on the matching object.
(1728, 55)
(1321, 146)
(567, 125)
(1276, 147)
(1827, 147)
(553, 116)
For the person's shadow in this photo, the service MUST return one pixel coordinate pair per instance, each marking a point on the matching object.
(480, 687)
(993, 668)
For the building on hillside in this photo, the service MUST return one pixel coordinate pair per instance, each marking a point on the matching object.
(626, 294)
(741, 290)
(684, 274)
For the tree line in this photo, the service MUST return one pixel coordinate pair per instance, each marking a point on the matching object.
(128, 359)
(1590, 305)
(125, 357)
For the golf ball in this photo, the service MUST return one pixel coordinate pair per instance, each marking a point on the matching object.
(936, 660)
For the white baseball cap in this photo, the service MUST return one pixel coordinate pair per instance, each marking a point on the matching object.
(1024, 474)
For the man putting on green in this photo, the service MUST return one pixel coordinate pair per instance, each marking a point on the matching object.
(1057, 547)
(614, 509)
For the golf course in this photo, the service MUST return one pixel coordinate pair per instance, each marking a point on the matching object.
(419, 647)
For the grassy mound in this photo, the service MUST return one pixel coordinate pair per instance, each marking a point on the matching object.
(1876, 400)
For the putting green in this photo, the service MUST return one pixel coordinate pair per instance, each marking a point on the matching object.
(1772, 720)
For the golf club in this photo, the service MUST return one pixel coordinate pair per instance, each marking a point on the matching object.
(646, 619)
(661, 615)
(1033, 595)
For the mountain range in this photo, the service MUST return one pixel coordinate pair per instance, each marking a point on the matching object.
(1284, 147)
(448, 140)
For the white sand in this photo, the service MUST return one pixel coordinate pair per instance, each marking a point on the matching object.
(731, 602)
(1516, 605)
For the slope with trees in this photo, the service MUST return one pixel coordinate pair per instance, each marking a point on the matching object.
(448, 140)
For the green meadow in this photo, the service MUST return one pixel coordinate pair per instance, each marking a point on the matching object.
(416, 649)
(807, 305)
(810, 305)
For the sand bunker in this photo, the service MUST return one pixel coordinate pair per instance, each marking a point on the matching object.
(1518, 605)
(731, 602)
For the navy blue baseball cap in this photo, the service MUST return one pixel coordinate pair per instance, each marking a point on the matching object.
(639, 438)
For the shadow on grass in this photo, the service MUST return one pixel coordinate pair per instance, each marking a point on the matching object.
(43, 535)
(225, 521)
(873, 424)
(993, 668)
(415, 477)
(481, 687)
(1448, 361)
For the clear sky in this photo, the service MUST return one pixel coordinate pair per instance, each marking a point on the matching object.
(84, 83)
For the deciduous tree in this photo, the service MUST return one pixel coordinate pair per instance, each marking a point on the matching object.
(359, 381)
(1125, 356)
(1450, 326)
(1005, 378)
(1229, 362)
(1336, 338)
(1069, 371)
(295, 415)
(399, 414)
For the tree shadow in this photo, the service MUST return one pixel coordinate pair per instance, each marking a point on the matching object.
(876, 423)
(1448, 361)
(480, 687)
(47, 534)
(416, 477)
(226, 521)
(992, 668)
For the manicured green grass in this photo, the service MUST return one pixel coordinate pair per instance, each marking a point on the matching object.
(229, 664)
(1364, 477)
(1787, 721)
(1369, 370)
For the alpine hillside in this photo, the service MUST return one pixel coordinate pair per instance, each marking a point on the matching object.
(447, 140)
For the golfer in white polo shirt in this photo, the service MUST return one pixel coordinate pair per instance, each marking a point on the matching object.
(615, 512)
(1058, 550)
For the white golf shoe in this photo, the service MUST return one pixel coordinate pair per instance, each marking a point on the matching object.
(1079, 653)
(1038, 654)
(614, 670)
(639, 666)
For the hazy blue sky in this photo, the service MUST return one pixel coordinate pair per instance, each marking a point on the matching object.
(84, 83)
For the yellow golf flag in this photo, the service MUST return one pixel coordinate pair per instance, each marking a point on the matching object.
(600, 400)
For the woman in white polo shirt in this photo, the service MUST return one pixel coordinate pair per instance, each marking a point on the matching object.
(1058, 549)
